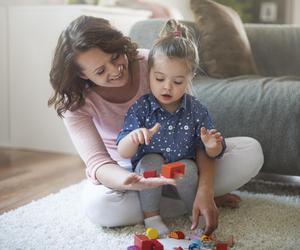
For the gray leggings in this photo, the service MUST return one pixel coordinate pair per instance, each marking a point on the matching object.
(185, 189)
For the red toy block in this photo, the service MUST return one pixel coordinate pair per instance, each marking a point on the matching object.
(221, 246)
(156, 245)
(173, 169)
(143, 242)
(149, 173)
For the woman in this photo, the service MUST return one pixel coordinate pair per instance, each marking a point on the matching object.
(97, 74)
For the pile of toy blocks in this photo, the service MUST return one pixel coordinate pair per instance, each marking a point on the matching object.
(203, 242)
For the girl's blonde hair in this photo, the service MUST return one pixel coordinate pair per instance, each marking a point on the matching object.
(175, 41)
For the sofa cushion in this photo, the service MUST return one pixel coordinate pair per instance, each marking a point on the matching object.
(223, 46)
(269, 112)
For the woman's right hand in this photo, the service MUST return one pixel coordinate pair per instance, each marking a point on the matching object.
(143, 135)
(137, 182)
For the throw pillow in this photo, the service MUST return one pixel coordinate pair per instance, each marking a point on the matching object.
(223, 46)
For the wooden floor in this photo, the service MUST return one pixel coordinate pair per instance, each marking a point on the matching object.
(30, 175)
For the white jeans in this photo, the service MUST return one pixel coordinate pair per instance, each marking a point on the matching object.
(241, 161)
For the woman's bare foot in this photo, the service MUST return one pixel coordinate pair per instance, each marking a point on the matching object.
(228, 200)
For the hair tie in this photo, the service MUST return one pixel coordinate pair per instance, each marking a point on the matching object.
(177, 33)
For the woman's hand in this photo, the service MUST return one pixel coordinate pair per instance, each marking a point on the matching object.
(204, 205)
(135, 181)
(143, 135)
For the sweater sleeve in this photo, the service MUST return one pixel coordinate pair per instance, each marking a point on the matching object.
(87, 141)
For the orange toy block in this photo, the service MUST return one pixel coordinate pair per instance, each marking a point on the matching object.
(176, 235)
(172, 170)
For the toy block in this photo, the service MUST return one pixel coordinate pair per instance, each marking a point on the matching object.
(221, 246)
(156, 245)
(152, 233)
(195, 244)
(133, 248)
(205, 237)
(149, 173)
(143, 242)
(176, 235)
(172, 170)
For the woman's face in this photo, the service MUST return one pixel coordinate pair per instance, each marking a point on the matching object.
(105, 70)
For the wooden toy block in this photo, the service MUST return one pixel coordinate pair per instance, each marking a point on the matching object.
(176, 235)
(221, 246)
(195, 244)
(152, 233)
(156, 245)
(143, 242)
(205, 237)
(149, 173)
(172, 170)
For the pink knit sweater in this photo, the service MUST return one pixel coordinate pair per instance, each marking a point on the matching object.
(94, 127)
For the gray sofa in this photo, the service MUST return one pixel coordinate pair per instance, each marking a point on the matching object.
(265, 106)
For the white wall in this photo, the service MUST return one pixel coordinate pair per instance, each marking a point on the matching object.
(29, 2)
(182, 6)
(296, 15)
(33, 33)
(4, 106)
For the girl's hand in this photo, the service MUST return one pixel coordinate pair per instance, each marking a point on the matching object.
(211, 138)
(135, 181)
(204, 204)
(143, 135)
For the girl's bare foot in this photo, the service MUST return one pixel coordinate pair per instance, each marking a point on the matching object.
(228, 200)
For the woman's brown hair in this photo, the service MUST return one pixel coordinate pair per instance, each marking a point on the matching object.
(82, 34)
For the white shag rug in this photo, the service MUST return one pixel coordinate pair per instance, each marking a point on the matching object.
(55, 222)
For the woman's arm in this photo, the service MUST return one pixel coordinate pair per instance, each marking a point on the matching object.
(100, 167)
(204, 201)
(115, 177)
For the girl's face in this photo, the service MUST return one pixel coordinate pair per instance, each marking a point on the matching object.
(105, 70)
(169, 78)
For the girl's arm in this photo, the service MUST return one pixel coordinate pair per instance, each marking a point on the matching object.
(126, 147)
(129, 144)
(204, 203)
(213, 142)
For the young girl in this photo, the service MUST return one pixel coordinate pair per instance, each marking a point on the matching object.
(97, 74)
(170, 122)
